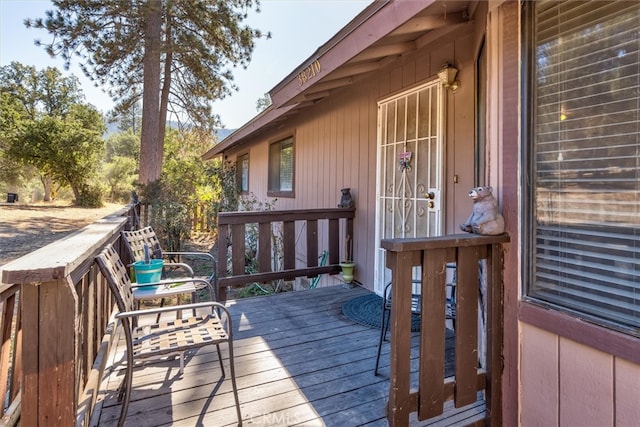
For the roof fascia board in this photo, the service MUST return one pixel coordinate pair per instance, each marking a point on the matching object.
(267, 116)
(372, 24)
(374, 27)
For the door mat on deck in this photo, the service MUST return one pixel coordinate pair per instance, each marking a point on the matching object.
(367, 310)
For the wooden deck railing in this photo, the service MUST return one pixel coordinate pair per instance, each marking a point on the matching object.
(56, 327)
(432, 255)
(232, 228)
(200, 216)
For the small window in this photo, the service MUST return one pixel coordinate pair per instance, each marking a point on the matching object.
(281, 168)
(243, 173)
(582, 172)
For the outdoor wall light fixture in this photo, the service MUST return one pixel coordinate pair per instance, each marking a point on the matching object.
(448, 77)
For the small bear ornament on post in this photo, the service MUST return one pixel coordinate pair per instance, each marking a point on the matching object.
(346, 200)
(486, 218)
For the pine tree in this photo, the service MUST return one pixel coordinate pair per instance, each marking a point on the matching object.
(175, 55)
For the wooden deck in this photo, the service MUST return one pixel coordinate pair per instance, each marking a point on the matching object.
(299, 361)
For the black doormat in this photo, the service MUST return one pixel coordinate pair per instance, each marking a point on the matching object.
(367, 310)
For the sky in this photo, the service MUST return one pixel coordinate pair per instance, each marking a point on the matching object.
(298, 28)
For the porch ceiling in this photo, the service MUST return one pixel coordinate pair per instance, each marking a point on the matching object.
(378, 36)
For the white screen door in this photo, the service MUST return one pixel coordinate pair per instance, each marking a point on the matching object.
(409, 178)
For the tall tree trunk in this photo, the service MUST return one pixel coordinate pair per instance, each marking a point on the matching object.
(151, 147)
(47, 184)
(166, 85)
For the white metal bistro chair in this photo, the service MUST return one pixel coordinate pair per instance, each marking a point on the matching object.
(136, 240)
(172, 337)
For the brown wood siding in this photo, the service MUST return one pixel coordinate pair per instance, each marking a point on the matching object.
(502, 137)
(336, 143)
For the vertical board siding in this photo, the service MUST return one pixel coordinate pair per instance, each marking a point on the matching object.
(627, 393)
(563, 382)
(586, 385)
(336, 146)
(539, 377)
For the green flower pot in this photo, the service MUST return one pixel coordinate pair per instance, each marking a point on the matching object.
(347, 271)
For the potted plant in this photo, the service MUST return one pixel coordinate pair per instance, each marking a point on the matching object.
(348, 265)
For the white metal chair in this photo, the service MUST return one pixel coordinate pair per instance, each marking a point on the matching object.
(136, 240)
(173, 337)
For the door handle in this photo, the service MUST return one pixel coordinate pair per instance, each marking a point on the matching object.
(431, 198)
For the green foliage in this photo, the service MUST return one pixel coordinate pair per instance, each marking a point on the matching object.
(263, 103)
(251, 203)
(185, 183)
(120, 176)
(90, 196)
(123, 144)
(128, 118)
(227, 196)
(46, 126)
(11, 172)
(181, 48)
(168, 213)
(120, 168)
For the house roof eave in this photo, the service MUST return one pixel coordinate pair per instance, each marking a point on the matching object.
(380, 21)
(381, 33)
(268, 115)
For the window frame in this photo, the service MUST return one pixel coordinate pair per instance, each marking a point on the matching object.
(283, 142)
(529, 186)
(239, 178)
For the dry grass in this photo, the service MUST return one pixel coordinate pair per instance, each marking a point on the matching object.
(27, 227)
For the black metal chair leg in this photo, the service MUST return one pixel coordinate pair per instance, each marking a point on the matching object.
(383, 332)
(220, 359)
(233, 383)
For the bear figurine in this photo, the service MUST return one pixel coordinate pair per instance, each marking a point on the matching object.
(486, 218)
(346, 200)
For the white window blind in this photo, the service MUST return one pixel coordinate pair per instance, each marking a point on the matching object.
(243, 173)
(585, 132)
(281, 166)
(286, 166)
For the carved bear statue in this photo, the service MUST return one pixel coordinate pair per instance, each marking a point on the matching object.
(486, 218)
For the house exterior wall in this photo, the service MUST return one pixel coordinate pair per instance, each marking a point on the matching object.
(336, 142)
(567, 383)
(559, 370)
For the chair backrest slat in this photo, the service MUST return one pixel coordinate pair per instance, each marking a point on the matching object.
(136, 239)
(117, 275)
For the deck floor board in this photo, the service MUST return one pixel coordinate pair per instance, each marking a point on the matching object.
(299, 361)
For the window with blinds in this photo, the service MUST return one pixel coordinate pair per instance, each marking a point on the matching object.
(583, 251)
(281, 170)
(243, 173)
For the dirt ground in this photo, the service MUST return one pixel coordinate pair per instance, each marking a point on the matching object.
(27, 227)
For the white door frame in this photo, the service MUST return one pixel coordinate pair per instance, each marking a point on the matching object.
(434, 213)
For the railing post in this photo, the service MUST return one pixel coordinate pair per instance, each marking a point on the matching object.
(11, 349)
(432, 331)
(223, 231)
(433, 254)
(495, 324)
(323, 227)
(50, 323)
(400, 264)
(466, 357)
